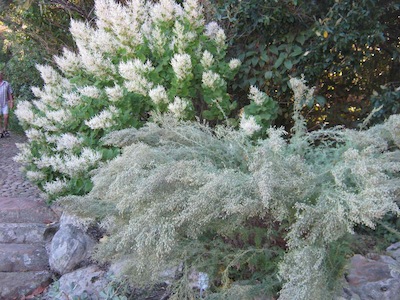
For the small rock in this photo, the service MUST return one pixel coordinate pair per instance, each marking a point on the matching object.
(90, 281)
(394, 251)
(373, 278)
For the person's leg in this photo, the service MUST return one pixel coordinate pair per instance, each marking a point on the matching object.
(1, 121)
(4, 112)
(5, 122)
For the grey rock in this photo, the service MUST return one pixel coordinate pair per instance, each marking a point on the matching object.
(373, 278)
(22, 233)
(90, 281)
(394, 251)
(23, 258)
(14, 285)
(69, 248)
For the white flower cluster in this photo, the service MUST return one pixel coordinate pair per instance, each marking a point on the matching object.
(96, 64)
(302, 93)
(74, 165)
(104, 119)
(182, 65)
(34, 135)
(59, 117)
(211, 80)
(257, 96)
(55, 187)
(35, 175)
(72, 99)
(194, 13)
(249, 125)
(49, 75)
(123, 21)
(104, 42)
(114, 93)
(24, 155)
(69, 62)
(81, 33)
(24, 112)
(44, 124)
(70, 164)
(158, 95)
(207, 60)
(157, 40)
(90, 91)
(67, 141)
(178, 107)
(182, 37)
(234, 63)
(135, 71)
(165, 11)
(215, 32)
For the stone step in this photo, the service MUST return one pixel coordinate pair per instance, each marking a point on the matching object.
(23, 258)
(15, 285)
(22, 210)
(19, 233)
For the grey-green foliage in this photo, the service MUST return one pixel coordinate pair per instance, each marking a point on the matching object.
(176, 181)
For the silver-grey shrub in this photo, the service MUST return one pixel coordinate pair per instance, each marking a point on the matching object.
(176, 181)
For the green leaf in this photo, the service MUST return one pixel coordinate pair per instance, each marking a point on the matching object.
(274, 49)
(264, 57)
(268, 75)
(279, 61)
(301, 38)
(288, 64)
(321, 100)
(296, 51)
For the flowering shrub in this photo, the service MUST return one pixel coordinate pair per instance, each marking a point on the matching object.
(140, 58)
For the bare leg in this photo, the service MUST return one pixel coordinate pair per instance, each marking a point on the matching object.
(5, 122)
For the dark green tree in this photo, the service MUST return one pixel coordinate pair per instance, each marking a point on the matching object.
(348, 50)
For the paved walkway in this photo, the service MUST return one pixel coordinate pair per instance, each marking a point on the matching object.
(12, 181)
(24, 217)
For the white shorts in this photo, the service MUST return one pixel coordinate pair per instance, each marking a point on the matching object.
(4, 110)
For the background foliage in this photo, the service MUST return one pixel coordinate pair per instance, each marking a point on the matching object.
(348, 50)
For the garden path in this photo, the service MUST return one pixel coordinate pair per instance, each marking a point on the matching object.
(25, 221)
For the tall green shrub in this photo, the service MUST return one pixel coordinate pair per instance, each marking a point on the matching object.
(141, 58)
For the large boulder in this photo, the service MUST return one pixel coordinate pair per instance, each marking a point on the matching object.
(69, 249)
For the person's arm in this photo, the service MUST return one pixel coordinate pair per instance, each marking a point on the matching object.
(10, 100)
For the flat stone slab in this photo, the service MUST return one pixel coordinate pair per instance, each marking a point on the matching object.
(20, 233)
(21, 210)
(23, 258)
(16, 285)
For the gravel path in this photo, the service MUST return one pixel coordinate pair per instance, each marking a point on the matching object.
(12, 181)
